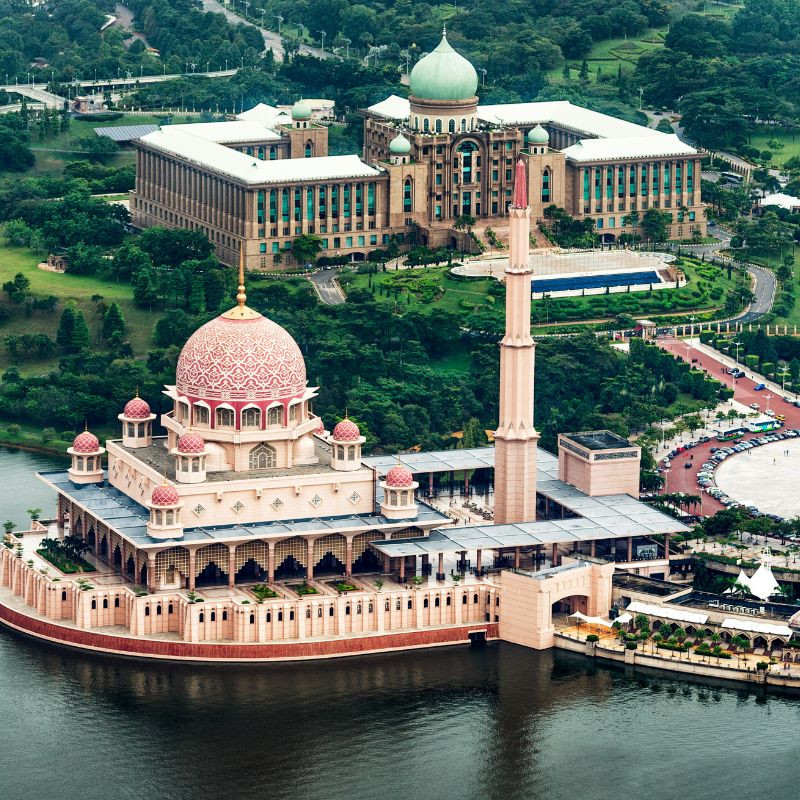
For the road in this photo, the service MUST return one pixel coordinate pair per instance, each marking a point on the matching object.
(272, 40)
(326, 286)
(680, 479)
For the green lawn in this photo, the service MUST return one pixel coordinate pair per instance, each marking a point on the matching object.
(789, 139)
(78, 288)
(774, 261)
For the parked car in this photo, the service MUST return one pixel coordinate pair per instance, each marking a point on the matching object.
(759, 387)
(754, 405)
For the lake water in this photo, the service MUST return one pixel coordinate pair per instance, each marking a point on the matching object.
(501, 722)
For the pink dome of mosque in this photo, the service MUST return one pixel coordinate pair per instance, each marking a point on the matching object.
(346, 431)
(136, 409)
(165, 495)
(86, 442)
(399, 477)
(191, 443)
(248, 358)
(320, 426)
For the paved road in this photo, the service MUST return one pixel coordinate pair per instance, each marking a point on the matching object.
(680, 479)
(328, 290)
(272, 41)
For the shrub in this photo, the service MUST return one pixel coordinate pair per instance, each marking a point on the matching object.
(14, 429)
(592, 637)
(631, 645)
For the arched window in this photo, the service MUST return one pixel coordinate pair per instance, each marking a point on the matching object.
(116, 604)
(213, 616)
(308, 613)
(170, 609)
(252, 619)
(262, 457)
(410, 605)
(63, 597)
(408, 196)
(309, 151)
(438, 126)
(397, 605)
(251, 418)
(546, 186)
(425, 603)
(280, 616)
(224, 616)
(319, 611)
(200, 415)
(369, 609)
(202, 617)
(330, 611)
(147, 611)
(416, 123)
(293, 412)
(386, 606)
(449, 600)
(358, 608)
(451, 126)
(426, 126)
(105, 602)
(291, 616)
(158, 610)
(347, 610)
(275, 415)
(225, 417)
(273, 153)
(475, 598)
(94, 605)
(269, 617)
(464, 600)
(437, 602)
(463, 124)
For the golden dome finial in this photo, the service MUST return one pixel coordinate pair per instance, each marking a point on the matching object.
(241, 297)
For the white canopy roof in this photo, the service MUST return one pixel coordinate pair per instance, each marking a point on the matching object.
(762, 583)
(781, 200)
(757, 627)
(591, 620)
(667, 144)
(667, 612)
(266, 114)
(623, 619)
(228, 132)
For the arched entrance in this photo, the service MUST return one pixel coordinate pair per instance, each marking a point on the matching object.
(130, 566)
(368, 561)
(143, 573)
(251, 572)
(118, 558)
(290, 567)
(329, 565)
(104, 547)
(211, 575)
(571, 605)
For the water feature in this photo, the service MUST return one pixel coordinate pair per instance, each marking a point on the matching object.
(498, 722)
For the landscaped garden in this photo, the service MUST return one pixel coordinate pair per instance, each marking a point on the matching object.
(303, 588)
(65, 555)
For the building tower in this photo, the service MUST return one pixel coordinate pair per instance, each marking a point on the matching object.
(515, 438)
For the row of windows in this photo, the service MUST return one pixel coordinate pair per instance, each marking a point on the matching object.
(336, 242)
(225, 416)
(320, 202)
(664, 179)
(611, 222)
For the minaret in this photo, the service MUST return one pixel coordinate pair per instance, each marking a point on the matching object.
(516, 438)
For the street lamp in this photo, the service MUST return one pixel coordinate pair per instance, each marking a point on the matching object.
(768, 397)
(482, 71)
(346, 48)
(406, 55)
(280, 20)
(323, 34)
(261, 11)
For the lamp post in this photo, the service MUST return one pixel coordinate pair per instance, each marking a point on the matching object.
(323, 34)
(406, 55)
(346, 48)
(482, 71)
(280, 20)
(768, 397)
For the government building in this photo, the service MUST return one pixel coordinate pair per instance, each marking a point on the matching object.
(247, 530)
(254, 184)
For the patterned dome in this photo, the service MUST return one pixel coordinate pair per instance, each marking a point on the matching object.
(443, 75)
(166, 495)
(399, 477)
(86, 442)
(241, 359)
(320, 426)
(346, 431)
(191, 443)
(136, 409)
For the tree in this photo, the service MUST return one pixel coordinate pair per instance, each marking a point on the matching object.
(80, 339)
(474, 435)
(631, 219)
(655, 224)
(66, 327)
(17, 289)
(97, 148)
(306, 247)
(465, 222)
(113, 322)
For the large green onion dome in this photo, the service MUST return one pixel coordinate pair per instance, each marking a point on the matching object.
(443, 75)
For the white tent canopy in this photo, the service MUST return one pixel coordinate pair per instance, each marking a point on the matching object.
(743, 580)
(762, 584)
(757, 627)
(591, 620)
(624, 619)
(678, 614)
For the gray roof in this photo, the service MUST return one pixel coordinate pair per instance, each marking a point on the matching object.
(129, 518)
(125, 133)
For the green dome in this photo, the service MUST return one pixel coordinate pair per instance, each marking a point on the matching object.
(443, 75)
(538, 135)
(399, 146)
(301, 110)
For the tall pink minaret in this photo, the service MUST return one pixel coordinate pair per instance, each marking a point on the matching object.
(515, 438)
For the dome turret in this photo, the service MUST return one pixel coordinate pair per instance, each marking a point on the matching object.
(136, 409)
(443, 75)
(400, 146)
(538, 135)
(399, 477)
(87, 457)
(301, 110)
(86, 443)
(164, 496)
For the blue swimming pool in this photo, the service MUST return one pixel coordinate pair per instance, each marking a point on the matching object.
(595, 281)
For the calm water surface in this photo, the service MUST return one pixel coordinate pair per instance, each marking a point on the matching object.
(502, 722)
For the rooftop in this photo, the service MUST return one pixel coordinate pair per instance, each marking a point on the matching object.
(598, 440)
(781, 200)
(629, 146)
(129, 518)
(125, 133)
(228, 132)
(184, 142)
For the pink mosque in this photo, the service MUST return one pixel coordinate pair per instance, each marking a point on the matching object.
(250, 532)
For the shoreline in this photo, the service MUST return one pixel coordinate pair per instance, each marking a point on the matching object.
(683, 668)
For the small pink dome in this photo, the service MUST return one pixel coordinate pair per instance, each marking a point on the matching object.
(320, 426)
(166, 495)
(136, 409)
(191, 443)
(86, 442)
(399, 477)
(346, 431)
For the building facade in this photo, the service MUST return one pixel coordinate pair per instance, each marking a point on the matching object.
(256, 183)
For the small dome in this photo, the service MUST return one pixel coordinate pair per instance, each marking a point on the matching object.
(86, 442)
(191, 443)
(320, 426)
(443, 75)
(399, 477)
(165, 495)
(301, 110)
(346, 431)
(400, 146)
(136, 409)
(538, 135)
